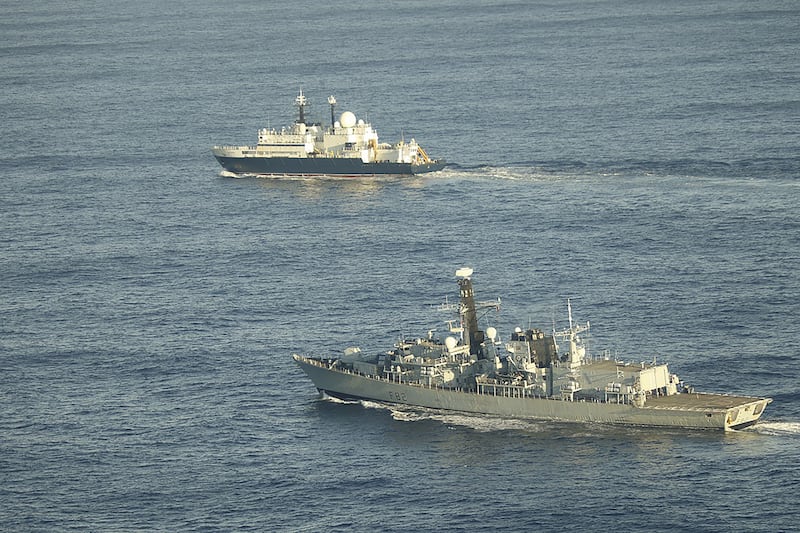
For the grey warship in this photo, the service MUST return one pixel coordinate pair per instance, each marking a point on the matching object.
(536, 375)
(349, 147)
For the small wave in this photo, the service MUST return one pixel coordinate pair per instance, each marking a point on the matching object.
(406, 416)
(778, 428)
(331, 399)
(227, 174)
(369, 404)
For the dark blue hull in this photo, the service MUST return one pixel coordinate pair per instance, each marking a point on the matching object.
(319, 166)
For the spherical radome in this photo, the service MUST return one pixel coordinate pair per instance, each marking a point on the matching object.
(450, 342)
(348, 119)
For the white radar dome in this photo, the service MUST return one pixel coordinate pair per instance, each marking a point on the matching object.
(450, 342)
(348, 119)
(491, 332)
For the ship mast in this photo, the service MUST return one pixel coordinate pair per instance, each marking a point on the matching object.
(577, 350)
(332, 102)
(301, 103)
(469, 315)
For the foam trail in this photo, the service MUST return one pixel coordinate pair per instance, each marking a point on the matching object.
(227, 174)
(337, 400)
(481, 423)
(778, 428)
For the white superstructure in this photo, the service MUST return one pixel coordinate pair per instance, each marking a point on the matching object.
(346, 138)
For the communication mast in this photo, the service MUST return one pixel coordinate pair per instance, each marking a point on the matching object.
(301, 103)
(332, 102)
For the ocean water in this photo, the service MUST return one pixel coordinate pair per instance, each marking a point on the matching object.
(641, 159)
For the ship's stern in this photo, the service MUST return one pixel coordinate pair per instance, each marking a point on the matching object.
(746, 415)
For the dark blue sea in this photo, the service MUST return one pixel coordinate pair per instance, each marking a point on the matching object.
(641, 158)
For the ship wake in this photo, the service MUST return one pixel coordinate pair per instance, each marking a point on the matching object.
(526, 173)
(777, 428)
(479, 423)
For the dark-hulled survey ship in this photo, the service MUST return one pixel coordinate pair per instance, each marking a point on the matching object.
(349, 147)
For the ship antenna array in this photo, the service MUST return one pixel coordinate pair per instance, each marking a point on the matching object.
(569, 312)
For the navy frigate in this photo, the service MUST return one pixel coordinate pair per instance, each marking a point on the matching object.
(349, 147)
(535, 374)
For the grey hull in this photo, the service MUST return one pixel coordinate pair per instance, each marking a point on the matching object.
(697, 411)
(319, 166)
